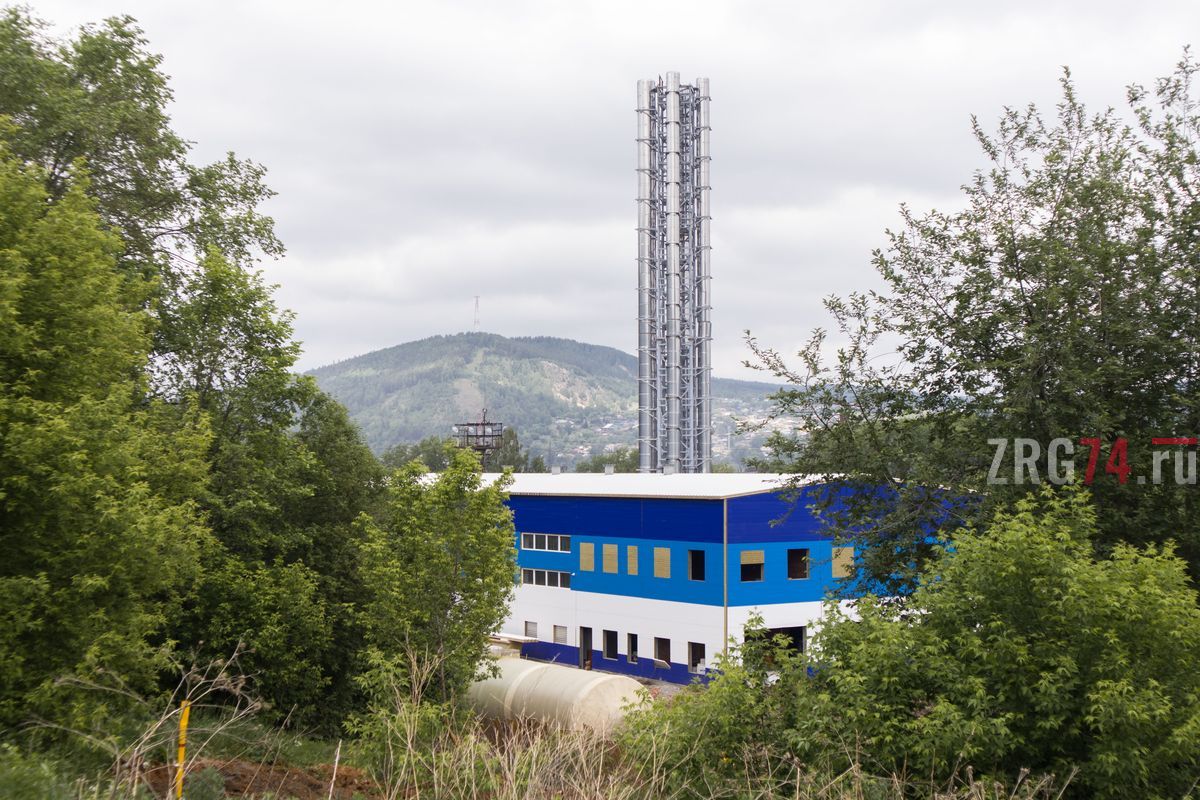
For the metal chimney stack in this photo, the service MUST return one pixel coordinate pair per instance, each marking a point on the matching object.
(674, 329)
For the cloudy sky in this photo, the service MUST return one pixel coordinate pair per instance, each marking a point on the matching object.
(425, 153)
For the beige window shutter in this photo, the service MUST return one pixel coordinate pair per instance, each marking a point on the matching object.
(752, 557)
(662, 562)
(631, 558)
(587, 556)
(843, 562)
(610, 558)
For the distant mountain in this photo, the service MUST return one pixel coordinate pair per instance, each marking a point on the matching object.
(567, 399)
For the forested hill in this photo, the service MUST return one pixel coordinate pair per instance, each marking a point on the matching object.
(566, 398)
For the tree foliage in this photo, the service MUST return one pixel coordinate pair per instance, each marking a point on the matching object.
(1020, 651)
(439, 569)
(1061, 301)
(624, 459)
(273, 467)
(98, 524)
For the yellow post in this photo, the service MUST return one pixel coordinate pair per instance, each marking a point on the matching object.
(185, 710)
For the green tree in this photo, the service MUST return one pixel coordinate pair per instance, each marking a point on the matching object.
(289, 475)
(430, 451)
(1020, 651)
(102, 97)
(439, 569)
(100, 536)
(1061, 301)
(624, 459)
(1024, 652)
(510, 455)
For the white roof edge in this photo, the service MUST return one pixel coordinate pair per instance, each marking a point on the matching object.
(710, 486)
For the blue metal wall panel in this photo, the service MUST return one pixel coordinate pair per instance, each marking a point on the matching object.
(643, 667)
(766, 518)
(776, 587)
(678, 587)
(619, 517)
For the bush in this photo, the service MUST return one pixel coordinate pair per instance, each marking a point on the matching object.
(1021, 653)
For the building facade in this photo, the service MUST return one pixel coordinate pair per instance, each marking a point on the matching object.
(652, 575)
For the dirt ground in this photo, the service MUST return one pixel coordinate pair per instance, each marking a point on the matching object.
(246, 779)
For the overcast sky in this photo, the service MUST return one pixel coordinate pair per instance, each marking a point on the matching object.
(425, 153)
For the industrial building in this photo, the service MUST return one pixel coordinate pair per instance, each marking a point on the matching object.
(652, 574)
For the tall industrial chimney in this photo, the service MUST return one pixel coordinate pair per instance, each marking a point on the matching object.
(674, 328)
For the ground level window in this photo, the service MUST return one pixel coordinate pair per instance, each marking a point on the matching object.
(662, 649)
(696, 565)
(526, 576)
(631, 648)
(560, 634)
(531, 629)
(797, 564)
(610, 644)
(695, 657)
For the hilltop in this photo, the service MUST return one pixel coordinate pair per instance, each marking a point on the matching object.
(566, 398)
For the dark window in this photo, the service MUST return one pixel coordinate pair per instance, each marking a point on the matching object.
(610, 645)
(526, 576)
(551, 542)
(696, 565)
(527, 541)
(797, 564)
(585, 648)
(752, 572)
(539, 577)
(552, 578)
(564, 544)
(662, 649)
(695, 656)
(631, 646)
(564, 580)
(539, 541)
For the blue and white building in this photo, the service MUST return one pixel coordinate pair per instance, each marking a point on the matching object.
(652, 574)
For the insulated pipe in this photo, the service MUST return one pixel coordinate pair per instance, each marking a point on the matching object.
(645, 277)
(703, 278)
(673, 274)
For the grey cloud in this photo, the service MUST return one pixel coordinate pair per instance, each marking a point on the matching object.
(429, 152)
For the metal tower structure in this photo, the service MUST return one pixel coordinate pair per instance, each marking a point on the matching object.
(674, 328)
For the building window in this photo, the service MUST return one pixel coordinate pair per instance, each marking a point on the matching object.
(695, 565)
(560, 634)
(752, 565)
(695, 657)
(797, 565)
(531, 629)
(610, 558)
(631, 648)
(662, 649)
(631, 558)
(546, 577)
(587, 556)
(843, 562)
(662, 562)
(610, 645)
(554, 542)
